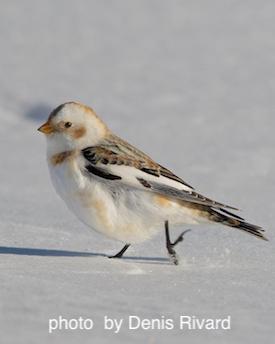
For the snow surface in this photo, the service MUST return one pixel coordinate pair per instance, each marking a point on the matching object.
(190, 82)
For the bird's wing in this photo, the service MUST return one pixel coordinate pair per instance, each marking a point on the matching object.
(116, 160)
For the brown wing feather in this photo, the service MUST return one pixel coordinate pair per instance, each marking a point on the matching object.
(115, 151)
(140, 160)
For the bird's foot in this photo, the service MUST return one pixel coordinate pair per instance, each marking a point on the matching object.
(170, 245)
(121, 252)
(180, 237)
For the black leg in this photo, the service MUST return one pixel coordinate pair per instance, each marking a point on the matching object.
(170, 246)
(121, 252)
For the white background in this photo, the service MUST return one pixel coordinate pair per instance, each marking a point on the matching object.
(191, 83)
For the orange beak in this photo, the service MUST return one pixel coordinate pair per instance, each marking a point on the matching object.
(46, 128)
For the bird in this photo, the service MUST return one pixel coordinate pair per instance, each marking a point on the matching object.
(119, 191)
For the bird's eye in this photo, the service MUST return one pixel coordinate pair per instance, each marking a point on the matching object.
(68, 124)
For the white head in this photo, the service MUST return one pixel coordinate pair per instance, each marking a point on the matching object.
(73, 126)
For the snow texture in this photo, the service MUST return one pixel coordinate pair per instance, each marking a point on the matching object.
(192, 83)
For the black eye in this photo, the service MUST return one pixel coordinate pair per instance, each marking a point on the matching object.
(68, 124)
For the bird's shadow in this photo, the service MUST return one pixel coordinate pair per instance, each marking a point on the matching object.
(41, 252)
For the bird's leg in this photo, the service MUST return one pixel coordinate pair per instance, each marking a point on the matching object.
(121, 252)
(172, 253)
(170, 246)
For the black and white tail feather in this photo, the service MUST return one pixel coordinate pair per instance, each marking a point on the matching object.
(229, 219)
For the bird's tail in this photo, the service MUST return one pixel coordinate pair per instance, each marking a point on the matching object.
(229, 219)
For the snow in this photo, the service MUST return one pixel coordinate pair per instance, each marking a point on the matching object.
(192, 84)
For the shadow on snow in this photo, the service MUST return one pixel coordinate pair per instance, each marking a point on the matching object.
(26, 251)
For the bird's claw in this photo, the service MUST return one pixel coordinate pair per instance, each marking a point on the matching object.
(180, 238)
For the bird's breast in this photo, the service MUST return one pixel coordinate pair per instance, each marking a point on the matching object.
(65, 173)
(90, 200)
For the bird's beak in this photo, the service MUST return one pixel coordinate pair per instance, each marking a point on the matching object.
(46, 128)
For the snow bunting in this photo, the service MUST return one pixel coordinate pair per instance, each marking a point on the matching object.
(118, 190)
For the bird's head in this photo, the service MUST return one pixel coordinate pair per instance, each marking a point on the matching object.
(73, 126)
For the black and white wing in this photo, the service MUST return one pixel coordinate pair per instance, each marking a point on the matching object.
(119, 162)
